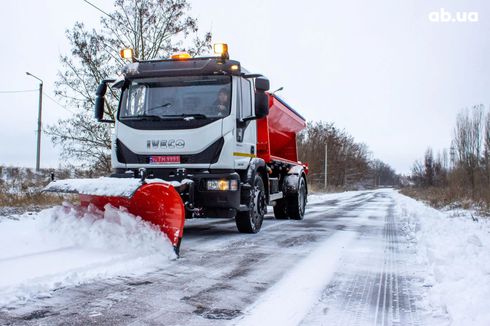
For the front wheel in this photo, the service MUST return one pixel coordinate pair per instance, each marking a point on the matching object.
(297, 203)
(251, 221)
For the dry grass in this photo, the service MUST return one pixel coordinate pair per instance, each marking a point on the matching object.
(21, 188)
(436, 197)
(318, 188)
(440, 197)
(30, 199)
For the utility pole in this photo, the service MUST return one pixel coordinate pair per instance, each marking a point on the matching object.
(39, 124)
(326, 165)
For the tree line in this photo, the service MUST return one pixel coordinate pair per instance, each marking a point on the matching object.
(349, 163)
(463, 170)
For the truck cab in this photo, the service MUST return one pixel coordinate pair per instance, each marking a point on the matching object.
(200, 124)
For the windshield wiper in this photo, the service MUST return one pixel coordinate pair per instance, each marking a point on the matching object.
(186, 116)
(164, 105)
(183, 116)
(143, 117)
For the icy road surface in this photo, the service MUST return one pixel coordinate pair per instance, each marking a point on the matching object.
(358, 258)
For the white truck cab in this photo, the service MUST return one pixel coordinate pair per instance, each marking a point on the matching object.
(197, 119)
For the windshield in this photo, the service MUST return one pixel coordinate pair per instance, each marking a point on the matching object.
(191, 97)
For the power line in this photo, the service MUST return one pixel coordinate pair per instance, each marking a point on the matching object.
(105, 13)
(102, 11)
(57, 103)
(37, 90)
(108, 15)
(19, 91)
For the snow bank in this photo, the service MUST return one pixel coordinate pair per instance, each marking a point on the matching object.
(457, 250)
(104, 186)
(67, 245)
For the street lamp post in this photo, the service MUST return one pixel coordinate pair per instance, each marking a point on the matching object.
(39, 125)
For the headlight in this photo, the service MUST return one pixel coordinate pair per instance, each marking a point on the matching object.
(222, 185)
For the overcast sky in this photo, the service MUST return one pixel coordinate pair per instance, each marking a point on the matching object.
(381, 69)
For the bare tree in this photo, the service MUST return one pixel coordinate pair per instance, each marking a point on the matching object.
(348, 161)
(383, 174)
(468, 174)
(154, 29)
(440, 169)
(429, 168)
(468, 141)
(486, 151)
(418, 174)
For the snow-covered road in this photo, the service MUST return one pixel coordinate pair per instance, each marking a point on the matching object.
(356, 259)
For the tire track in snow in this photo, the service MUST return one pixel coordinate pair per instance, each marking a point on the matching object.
(389, 309)
(305, 282)
(373, 285)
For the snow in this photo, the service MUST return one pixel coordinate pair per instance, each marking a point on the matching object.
(452, 245)
(456, 250)
(316, 198)
(68, 245)
(123, 187)
(105, 186)
(290, 299)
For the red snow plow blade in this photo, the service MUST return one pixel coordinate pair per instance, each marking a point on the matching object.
(156, 202)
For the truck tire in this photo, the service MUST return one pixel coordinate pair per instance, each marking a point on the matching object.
(280, 210)
(251, 221)
(296, 204)
(189, 214)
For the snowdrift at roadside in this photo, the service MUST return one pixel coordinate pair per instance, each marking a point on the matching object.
(67, 245)
(457, 251)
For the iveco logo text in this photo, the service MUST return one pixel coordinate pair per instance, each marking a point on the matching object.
(165, 143)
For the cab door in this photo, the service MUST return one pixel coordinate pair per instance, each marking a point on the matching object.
(246, 136)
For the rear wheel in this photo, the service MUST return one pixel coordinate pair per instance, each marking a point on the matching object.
(189, 214)
(280, 210)
(296, 204)
(251, 221)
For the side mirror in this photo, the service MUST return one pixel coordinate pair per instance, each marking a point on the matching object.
(261, 105)
(262, 84)
(100, 101)
(261, 99)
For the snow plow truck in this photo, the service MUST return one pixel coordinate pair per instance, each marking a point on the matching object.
(197, 137)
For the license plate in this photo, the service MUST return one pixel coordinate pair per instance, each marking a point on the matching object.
(172, 159)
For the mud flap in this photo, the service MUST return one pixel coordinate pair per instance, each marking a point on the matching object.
(158, 203)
